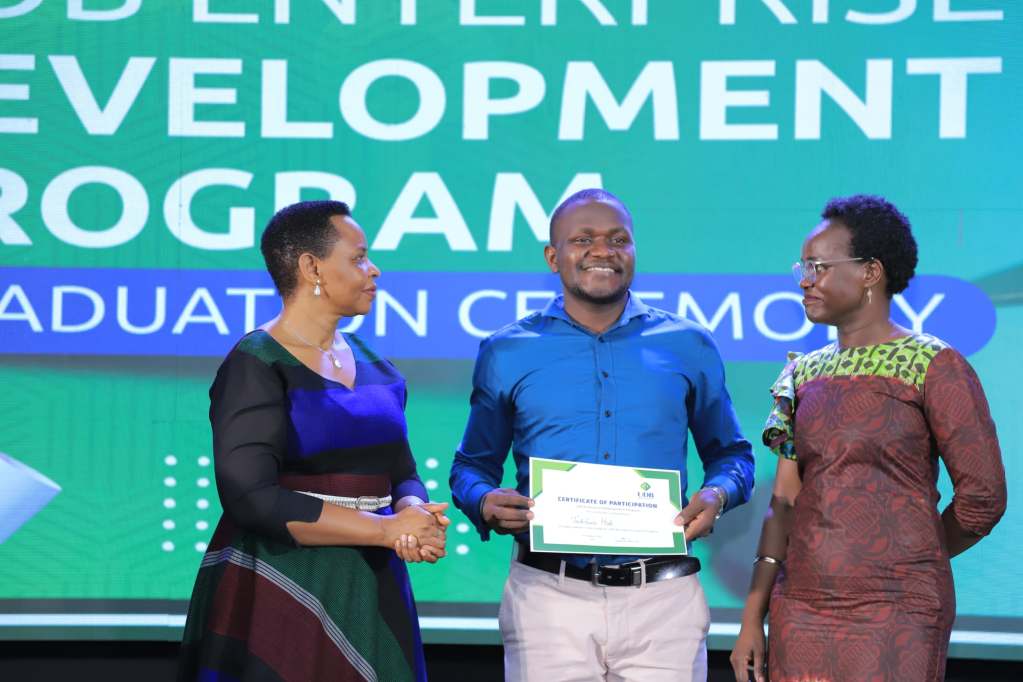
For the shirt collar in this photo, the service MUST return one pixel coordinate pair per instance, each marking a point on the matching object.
(633, 308)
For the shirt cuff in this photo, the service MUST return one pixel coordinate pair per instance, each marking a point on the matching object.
(474, 508)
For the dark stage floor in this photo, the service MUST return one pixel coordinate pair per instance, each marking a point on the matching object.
(155, 662)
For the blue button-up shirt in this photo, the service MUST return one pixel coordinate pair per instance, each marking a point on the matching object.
(548, 387)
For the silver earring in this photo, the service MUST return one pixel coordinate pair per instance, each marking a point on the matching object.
(316, 289)
(869, 298)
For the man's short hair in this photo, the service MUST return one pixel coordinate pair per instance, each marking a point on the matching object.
(581, 197)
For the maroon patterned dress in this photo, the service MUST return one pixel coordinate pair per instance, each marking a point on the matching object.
(866, 593)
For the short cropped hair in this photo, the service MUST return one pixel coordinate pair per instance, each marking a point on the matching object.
(300, 228)
(879, 231)
(580, 197)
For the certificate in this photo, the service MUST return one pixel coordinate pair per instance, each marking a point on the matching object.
(585, 508)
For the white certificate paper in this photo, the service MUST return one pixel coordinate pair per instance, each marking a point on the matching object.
(583, 508)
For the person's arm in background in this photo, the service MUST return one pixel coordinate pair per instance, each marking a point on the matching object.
(726, 455)
(964, 433)
(772, 550)
(406, 486)
(479, 460)
(771, 553)
(408, 490)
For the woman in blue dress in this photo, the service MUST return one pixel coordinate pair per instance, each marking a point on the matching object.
(305, 576)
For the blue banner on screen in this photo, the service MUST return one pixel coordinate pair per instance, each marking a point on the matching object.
(425, 315)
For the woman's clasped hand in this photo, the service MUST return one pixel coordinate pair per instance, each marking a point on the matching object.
(419, 532)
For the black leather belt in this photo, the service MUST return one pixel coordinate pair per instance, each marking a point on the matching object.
(621, 575)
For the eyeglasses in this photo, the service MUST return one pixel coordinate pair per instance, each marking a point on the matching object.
(809, 269)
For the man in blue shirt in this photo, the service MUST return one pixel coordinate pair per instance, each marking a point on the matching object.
(599, 377)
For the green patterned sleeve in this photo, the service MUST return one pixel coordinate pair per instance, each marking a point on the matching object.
(778, 432)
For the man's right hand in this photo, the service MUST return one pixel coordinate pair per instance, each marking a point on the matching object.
(505, 511)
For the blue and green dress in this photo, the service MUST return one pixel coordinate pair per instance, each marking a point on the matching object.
(265, 608)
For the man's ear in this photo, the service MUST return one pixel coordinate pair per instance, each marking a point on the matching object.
(550, 254)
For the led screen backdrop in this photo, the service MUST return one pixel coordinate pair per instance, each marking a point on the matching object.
(144, 144)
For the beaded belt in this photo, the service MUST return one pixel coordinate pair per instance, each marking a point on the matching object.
(361, 503)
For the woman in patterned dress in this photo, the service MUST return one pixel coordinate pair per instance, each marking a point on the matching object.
(304, 578)
(853, 562)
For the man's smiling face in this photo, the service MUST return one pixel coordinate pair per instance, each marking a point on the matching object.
(593, 251)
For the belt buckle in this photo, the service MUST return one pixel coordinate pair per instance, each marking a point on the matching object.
(610, 576)
(367, 503)
(635, 575)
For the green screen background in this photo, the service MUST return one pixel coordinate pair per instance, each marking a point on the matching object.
(103, 426)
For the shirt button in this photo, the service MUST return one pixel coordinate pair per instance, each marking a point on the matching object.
(605, 374)
(607, 455)
(607, 413)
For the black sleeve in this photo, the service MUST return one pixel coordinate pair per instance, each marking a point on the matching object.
(405, 480)
(248, 414)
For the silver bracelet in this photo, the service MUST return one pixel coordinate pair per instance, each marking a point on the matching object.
(722, 496)
(768, 560)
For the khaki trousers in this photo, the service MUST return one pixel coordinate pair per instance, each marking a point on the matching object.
(558, 629)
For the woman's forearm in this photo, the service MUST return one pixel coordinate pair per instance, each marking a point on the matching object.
(957, 538)
(341, 526)
(759, 598)
(771, 553)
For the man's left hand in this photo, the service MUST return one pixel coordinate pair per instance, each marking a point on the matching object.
(699, 515)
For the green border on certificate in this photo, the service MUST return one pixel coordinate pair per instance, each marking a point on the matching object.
(604, 509)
